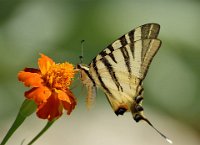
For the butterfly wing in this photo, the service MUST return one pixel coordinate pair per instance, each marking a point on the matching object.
(146, 31)
(121, 77)
(120, 68)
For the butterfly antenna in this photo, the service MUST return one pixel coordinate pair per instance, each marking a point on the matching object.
(147, 121)
(81, 56)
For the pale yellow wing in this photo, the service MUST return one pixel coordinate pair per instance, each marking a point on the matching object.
(121, 79)
(146, 31)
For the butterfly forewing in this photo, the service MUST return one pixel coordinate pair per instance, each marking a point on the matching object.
(146, 31)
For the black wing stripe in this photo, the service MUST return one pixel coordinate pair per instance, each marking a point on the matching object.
(132, 50)
(103, 53)
(112, 57)
(123, 40)
(131, 36)
(110, 47)
(111, 72)
(100, 79)
(88, 74)
(126, 59)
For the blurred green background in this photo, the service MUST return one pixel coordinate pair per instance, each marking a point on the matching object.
(56, 27)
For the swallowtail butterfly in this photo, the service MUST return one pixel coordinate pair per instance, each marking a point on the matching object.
(119, 70)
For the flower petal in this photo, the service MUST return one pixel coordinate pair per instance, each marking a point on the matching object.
(30, 79)
(45, 63)
(50, 109)
(63, 96)
(69, 106)
(38, 94)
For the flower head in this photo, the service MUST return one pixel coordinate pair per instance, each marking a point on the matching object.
(50, 87)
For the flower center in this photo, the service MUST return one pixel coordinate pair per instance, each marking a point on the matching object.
(59, 76)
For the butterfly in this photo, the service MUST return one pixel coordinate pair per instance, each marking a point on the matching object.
(120, 68)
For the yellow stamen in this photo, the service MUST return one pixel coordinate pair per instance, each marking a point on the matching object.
(59, 76)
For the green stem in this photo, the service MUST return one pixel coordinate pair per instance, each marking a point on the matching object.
(27, 108)
(49, 123)
(18, 121)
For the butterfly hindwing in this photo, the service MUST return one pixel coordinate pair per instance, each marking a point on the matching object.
(116, 84)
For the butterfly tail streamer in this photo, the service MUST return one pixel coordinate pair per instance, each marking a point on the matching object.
(140, 117)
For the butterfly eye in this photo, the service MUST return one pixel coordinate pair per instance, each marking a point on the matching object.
(120, 111)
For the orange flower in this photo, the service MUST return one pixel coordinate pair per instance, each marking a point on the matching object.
(50, 87)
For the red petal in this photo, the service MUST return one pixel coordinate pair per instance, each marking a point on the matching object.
(51, 109)
(39, 94)
(69, 106)
(30, 79)
(45, 63)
